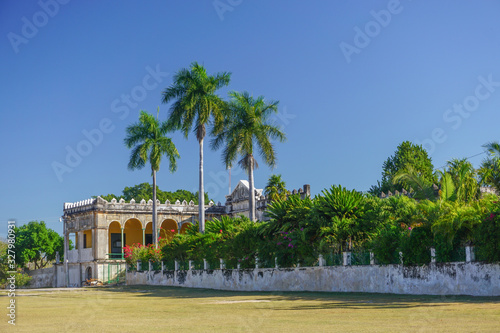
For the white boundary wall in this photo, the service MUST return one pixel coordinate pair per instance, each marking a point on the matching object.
(476, 279)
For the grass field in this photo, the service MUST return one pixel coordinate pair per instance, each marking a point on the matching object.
(168, 309)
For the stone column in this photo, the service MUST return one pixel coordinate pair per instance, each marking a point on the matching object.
(346, 256)
(321, 261)
(372, 258)
(122, 243)
(80, 245)
(469, 254)
(190, 263)
(222, 265)
(138, 266)
(94, 248)
(433, 255)
(256, 262)
(144, 236)
(176, 265)
(205, 264)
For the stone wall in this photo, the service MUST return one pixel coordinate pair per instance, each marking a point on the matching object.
(472, 278)
(43, 278)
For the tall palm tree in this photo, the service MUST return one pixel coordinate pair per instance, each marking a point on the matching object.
(196, 105)
(246, 125)
(148, 142)
(276, 188)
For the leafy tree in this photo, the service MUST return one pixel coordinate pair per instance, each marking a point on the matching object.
(276, 188)
(247, 124)
(406, 155)
(195, 104)
(145, 191)
(488, 236)
(3, 262)
(148, 143)
(37, 244)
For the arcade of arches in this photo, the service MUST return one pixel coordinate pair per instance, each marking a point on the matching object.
(135, 232)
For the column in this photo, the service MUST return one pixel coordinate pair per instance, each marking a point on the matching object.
(122, 244)
(144, 236)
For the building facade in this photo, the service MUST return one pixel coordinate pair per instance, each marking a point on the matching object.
(95, 230)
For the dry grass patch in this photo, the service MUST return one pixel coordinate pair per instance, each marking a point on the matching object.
(167, 309)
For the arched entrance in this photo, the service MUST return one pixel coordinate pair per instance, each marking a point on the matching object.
(168, 229)
(132, 232)
(148, 234)
(88, 273)
(115, 240)
(184, 227)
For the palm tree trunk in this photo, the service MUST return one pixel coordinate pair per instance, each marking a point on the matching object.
(201, 192)
(251, 198)
(155, 233)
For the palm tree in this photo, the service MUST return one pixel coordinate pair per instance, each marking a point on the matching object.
(195, 104)
(423, 188)
(493, 148)
(464, 177)
(148, 142)
(489, 172)
(247, 124)
(276, 188)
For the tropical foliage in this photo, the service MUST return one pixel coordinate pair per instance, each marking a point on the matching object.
(276, 188)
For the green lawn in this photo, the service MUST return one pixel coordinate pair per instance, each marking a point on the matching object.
(168, 309)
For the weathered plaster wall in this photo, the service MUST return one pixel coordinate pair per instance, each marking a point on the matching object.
(43, 278)
(473, 278)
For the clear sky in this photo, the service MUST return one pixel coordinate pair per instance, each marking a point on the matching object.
(354, 79)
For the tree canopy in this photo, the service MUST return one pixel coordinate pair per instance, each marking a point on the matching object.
(37, 244)
(407, 156)
(145, 191)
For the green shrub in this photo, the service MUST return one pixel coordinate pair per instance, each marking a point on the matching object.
(416, 246)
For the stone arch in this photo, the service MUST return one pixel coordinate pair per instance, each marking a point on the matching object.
(132, 232)
(168, 229)
(114, 238)
(184, 227)
(88, 273)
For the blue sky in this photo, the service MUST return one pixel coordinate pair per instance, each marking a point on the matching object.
(354, 79)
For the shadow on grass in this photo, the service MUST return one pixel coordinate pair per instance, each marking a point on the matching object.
(328, 300)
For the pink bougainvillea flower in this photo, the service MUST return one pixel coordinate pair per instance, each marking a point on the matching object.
(409, 228)
(172, 230)
(221, 231)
